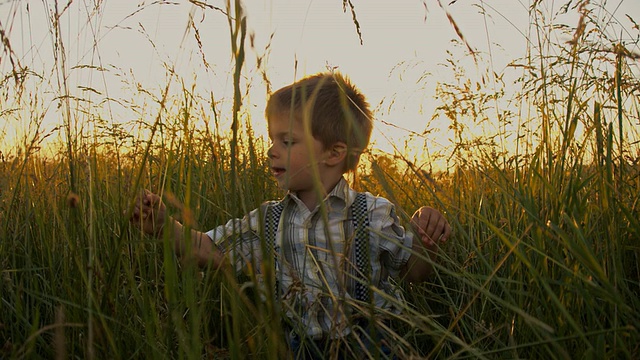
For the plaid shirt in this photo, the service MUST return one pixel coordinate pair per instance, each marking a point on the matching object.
(315, 257)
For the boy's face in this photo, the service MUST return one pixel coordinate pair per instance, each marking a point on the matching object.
(293, 154)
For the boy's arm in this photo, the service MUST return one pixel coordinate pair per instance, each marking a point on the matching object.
(431, 229)
(149, 214)
(201, 247)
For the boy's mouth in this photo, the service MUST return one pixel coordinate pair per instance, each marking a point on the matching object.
(277, 171)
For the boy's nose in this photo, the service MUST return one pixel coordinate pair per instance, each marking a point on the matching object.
(271, 152)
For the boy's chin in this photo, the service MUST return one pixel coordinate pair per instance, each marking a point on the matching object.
(283, 184)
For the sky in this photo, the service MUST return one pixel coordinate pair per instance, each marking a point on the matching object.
(396, 62)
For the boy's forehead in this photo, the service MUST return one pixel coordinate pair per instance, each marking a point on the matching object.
(282, 115)
(281, 122)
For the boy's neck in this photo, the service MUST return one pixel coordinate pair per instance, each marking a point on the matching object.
(312, 198)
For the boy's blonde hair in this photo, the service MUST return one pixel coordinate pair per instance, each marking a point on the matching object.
(338, 111)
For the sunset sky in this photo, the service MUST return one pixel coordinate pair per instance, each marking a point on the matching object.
(404, 46)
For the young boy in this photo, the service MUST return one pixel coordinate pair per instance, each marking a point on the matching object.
(329, 261)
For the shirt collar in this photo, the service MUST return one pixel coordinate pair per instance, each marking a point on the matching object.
(341, 191)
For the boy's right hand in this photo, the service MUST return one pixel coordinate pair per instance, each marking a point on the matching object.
(148, 213)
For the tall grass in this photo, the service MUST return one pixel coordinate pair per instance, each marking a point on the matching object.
(543, 262)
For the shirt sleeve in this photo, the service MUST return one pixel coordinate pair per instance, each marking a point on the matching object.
(393, 241)
(239, 239)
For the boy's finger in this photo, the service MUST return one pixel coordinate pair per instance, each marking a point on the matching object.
(427, 241)
(432, 226)
(444, 230)
(135, 215)
(447, 232)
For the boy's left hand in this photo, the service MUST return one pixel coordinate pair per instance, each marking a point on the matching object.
(431, 226)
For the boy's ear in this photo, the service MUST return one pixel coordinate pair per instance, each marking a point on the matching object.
(336, 154)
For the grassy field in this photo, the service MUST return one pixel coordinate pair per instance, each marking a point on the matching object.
(543, 262)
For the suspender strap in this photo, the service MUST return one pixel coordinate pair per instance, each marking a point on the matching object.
(361, 230)
(272, 219)
(360, 218)
(273, 213)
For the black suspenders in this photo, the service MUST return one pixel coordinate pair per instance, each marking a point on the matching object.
(361, 229)
(363, 263)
